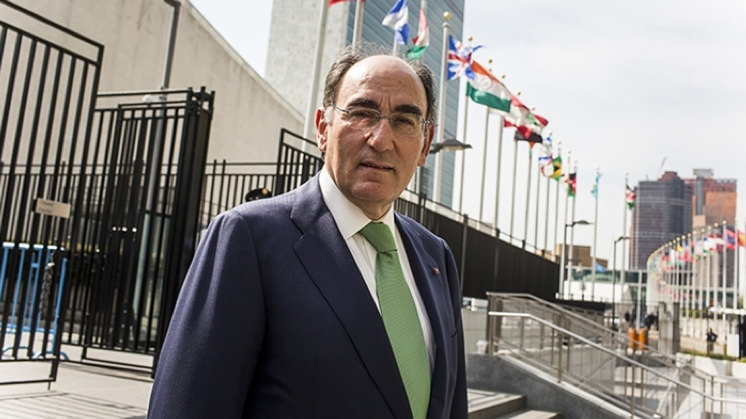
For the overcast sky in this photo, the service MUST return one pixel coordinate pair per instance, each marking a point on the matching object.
(635, 86)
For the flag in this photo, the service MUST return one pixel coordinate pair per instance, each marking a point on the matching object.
(630, 197)
(570, 180)
(422, 40)
(545, 158)
(523, 119)
(487, 90)
(397, 19)
(459, 59)
(557, 163)
(594, 188)
(730, 239)
(741, 238)
(533, 138)
(549, 165)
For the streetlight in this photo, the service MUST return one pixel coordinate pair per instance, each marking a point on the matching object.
(450, 144)
(613, 281)
(564, 254)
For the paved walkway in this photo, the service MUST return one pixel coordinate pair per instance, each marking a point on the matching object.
(87, 391)
(81, 391)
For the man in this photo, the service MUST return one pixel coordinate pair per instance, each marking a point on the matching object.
(281, 314)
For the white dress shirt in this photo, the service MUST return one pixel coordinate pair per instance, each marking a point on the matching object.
(350, 220)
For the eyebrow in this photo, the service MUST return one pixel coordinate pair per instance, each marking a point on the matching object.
(371, 104)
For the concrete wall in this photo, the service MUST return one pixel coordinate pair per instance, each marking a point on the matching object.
(248, 111)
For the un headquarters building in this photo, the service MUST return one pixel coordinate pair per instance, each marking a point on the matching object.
(292, 46)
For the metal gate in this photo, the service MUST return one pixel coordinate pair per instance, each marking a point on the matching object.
(47, 92)
(139, 223)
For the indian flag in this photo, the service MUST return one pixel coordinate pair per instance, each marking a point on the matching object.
(487, 90)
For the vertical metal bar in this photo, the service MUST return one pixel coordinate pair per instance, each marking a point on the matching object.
(11, 83)
(632, 394)
(522, 331)
(559, 357)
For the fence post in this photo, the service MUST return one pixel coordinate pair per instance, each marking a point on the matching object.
(464, 242)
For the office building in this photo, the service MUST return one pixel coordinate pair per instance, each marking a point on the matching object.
(661, 213)
(713, 200)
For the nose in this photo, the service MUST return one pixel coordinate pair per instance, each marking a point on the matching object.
(381, 135)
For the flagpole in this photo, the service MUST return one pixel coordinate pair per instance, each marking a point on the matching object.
(595, 236)
(528, 196)
(624, 233)
(357, 30)
(546, 214)
(512, 194)
(536, 214)
(556, 203)
(690, 281)
(564, 244)
(736, 268)
(500, 123)
(484, 160)
(572, 229)
(463, 155)
(441, 108)
(725, 276)
(309, 126)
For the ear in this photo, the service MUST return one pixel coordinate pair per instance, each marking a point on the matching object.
(321, 127)
(426, 146)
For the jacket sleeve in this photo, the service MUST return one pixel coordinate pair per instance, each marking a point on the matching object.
(213, 341)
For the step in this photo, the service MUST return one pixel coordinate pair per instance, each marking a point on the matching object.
(530, 414)
(490, 405)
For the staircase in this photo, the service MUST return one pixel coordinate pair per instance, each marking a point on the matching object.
(491, 405)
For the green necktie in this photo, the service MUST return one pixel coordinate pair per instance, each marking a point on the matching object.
(400, 318)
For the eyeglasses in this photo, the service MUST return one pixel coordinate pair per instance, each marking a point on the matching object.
(404, 124)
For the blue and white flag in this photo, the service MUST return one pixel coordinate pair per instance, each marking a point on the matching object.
(398, 20)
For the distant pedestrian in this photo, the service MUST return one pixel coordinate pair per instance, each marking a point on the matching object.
(711, 338)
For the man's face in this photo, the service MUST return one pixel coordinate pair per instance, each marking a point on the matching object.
(372, 166)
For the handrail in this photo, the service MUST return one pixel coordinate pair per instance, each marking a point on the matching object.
(711, 399)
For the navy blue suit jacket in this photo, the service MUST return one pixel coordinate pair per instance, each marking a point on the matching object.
(274, 320)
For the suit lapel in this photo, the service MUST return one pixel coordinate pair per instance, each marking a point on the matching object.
(330, 265)
(431, 286)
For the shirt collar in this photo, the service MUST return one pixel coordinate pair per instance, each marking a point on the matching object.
(349, 218)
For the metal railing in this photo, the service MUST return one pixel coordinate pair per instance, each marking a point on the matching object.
(589, 324)
(644, 384)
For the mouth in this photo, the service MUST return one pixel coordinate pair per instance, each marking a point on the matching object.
(375, 165)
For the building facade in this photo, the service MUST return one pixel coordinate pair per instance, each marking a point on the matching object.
(292, 47)
(662, 212)
(713, 200)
